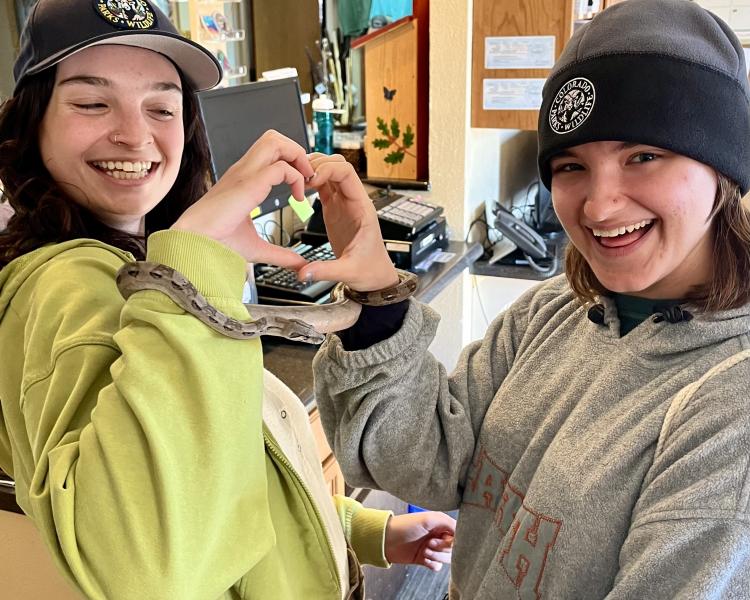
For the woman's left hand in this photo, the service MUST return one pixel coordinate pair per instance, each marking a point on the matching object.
(422, 538)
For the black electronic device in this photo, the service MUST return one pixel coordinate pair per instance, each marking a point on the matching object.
(281, 286)
(237, 116)
(545, 220)
(518, 232)
(401, 217)
(405, 254)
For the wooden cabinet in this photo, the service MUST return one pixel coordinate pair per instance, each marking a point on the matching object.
(284, 31)
(525, 19)
(396, 63)
(332, 474)
(538, 24)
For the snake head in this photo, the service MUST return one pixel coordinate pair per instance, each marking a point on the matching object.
(299, 331)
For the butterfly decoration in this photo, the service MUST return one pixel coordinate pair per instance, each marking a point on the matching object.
(388, 94)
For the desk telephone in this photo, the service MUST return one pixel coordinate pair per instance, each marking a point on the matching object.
(402, 218)
(523, 236)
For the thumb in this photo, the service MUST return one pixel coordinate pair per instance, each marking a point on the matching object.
(327, 270)
(277, 255)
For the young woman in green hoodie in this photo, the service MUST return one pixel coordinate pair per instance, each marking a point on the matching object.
(154, 455)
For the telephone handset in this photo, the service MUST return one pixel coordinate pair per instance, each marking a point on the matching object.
(518, 232)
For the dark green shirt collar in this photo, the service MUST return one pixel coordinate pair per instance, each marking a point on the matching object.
(632, 310)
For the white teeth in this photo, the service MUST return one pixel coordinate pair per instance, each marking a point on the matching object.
(621, 230)
(124, 169)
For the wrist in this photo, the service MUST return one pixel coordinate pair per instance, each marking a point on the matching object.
(405, 286)
(388, 539)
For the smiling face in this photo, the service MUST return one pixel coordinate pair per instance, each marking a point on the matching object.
(638, 214)
(112, 135)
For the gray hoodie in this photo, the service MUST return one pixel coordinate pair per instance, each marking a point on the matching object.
(545, 437)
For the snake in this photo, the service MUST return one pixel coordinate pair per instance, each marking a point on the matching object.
(307, 324)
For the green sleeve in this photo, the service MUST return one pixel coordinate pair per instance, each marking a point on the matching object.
(364, 529)
(147, 476)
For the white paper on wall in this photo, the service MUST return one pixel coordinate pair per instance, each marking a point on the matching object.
(512, 94)
(519, 52)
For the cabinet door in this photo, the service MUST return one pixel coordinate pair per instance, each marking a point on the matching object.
(333, 476)
(283, 30)
(521, 19)
(324, 450)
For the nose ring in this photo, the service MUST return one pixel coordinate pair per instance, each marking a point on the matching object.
(115, 140)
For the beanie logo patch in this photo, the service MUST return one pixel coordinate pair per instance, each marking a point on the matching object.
(572, 105)
(126, 14)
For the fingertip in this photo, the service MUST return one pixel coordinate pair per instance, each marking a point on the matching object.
(433, 565)
(306, 274)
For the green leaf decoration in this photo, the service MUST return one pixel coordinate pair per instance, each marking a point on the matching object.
(380, 143)
(408, 137)
(395, 131)
(395, 157)
(383, 128)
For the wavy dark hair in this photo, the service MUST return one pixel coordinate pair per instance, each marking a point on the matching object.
(730, 286)
(44, 213)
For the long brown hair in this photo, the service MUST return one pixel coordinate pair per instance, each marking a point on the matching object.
(730, 286)
(44, 213)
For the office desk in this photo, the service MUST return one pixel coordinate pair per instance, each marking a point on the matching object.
(482, 267)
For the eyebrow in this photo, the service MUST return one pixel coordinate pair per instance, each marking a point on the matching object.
(159, 86)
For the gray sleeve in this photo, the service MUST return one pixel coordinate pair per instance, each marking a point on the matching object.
(690, 531)
(394, 418)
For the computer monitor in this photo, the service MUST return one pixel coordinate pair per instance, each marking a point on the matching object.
(237, 116)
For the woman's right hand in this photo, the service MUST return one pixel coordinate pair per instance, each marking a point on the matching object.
(223, 213)
(362, 261)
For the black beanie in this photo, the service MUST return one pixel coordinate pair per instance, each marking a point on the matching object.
(666, 73)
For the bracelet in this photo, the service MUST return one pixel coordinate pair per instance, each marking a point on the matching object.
(406, 286)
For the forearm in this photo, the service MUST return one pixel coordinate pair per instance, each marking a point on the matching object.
(390, 416)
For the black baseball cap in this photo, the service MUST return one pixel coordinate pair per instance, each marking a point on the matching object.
(58, 28)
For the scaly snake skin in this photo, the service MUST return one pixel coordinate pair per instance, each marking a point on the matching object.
(302, 324)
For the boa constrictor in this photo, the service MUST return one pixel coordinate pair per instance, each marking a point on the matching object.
(299, 323)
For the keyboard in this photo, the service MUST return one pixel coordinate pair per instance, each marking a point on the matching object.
(281, 286)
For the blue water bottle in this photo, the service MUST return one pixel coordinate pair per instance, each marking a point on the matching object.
(323, 117)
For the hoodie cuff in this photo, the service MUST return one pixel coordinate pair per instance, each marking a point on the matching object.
(368, 536)
(217, 272)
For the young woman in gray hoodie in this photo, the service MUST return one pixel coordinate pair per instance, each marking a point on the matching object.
(597, 440)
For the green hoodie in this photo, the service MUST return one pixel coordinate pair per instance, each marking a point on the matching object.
(135, 435)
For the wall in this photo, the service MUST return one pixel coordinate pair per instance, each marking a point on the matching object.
(469, 168)
(8, 49)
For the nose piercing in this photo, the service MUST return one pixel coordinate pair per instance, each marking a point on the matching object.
(115, 140)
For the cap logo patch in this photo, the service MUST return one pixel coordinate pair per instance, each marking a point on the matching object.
(126, 14)
(572, 105)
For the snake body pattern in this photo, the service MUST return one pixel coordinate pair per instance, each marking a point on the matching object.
(298, 323)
